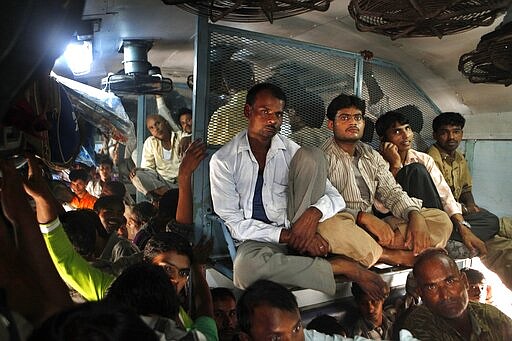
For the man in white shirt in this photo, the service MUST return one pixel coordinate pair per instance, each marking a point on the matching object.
(272, 194)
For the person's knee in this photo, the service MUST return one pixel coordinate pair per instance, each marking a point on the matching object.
(439, 224)
(247, 269)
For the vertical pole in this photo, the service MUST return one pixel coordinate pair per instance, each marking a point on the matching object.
(200, 118)
(358, 78)
(141, 134)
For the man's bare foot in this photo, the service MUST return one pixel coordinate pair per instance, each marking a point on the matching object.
(397, 257)
(371, 282)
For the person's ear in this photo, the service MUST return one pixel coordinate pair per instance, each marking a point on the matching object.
(330, 124)
(464, 280)
(247, 110)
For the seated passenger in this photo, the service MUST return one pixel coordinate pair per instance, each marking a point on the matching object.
(478, 288)
(137, 216)
(87, 235)
(268, 311)
(426, 181)
(82, 198)
(446, 313)
(95, 186)
(273, 196)
(326, 324)
(373, 323)
(362, 176)
(161, 150)
(95, 321)
(145, 287)
(448, 133)
(110, 210)
(224, 311)
(88, 281)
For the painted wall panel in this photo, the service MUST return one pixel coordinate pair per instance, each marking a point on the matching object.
(492, 176)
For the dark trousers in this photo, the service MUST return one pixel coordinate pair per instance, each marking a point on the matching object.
(416, 181)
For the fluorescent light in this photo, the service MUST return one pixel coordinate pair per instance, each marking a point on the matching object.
(78, 55)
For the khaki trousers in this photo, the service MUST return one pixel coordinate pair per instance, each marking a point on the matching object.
(346, 238)
(499, 252)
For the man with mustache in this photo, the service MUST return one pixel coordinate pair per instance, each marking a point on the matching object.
(446, 313)
(274, 196)
(497, 233)
(361, 175)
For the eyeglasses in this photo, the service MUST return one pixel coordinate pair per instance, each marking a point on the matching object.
(174, 272)
(347, 117)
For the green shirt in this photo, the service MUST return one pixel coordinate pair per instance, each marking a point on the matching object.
(487, 323)
(92, 283)
(455, 171)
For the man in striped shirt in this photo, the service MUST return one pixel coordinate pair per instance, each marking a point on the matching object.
(361, 175)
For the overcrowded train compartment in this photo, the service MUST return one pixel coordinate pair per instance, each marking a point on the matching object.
(80, 79)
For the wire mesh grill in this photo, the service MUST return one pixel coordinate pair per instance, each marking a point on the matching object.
(311, 77)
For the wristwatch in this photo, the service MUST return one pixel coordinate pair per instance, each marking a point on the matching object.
(465, 223)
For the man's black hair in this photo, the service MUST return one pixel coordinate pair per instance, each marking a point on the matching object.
(448, 118)
(108, 201)
(474, 276)
(345, 101)
(326, 324)
(274, 90)
(221, 293)
(184, 111)
(261, 293)
(357, 291)
(145, 288)
(168, 204)
(94, 321)
(167, 241)
(80, 227)
(387, 120)
(144, 210)
(78, 174)
(105, 160)
(116, 188)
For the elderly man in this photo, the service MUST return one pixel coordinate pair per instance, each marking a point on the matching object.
(274, 195)
(446, 313)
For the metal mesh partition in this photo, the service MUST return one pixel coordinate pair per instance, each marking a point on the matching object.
(386, 88)
(311, 77)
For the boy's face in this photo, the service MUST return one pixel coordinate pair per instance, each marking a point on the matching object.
(448, 137)
(105, 172)
(348, 125)
(176, 266)
(78, 187)
(112, 218)
(400, 135)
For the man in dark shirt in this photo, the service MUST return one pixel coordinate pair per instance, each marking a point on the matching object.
(447, 313)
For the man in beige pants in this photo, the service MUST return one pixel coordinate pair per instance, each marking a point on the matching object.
(361, 175)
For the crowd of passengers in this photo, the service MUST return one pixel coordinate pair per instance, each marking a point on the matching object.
(94, 265)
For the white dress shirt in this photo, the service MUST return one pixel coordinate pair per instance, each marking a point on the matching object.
(233, 175)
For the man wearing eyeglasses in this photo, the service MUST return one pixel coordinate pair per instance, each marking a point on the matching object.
(273, 195)
(361, 175)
